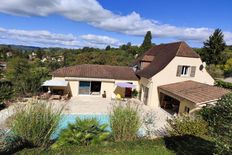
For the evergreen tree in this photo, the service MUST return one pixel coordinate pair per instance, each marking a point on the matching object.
(147, 42)
(108, 48)
(213, 48)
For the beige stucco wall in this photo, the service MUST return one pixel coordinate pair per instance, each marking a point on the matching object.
(107, 85)
(74, 87)
(168, 76)
(185, 103)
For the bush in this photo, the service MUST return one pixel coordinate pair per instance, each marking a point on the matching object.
(219, 118)
(216, 71)
(85, 131)
(125, 122)
(6, 91)
(187, 125)
(135, 93)
(149, 124)
(35, 123)
(228, 67)
(8, 142)
(223, 84)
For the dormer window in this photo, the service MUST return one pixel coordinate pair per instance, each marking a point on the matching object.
(185, 70)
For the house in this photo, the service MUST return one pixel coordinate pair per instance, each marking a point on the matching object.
(170, 73)
(94, 80)
(171, 76)
(3, 65)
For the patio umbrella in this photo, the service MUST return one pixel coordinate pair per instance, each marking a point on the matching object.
(125, 85)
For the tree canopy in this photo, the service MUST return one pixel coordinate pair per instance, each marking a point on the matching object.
(213, 48)
(147, 42)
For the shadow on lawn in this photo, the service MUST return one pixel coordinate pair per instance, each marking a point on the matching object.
(189, 145)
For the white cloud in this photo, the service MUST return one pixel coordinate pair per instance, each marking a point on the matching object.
(98, 39)
(91, 12)
(48, 39)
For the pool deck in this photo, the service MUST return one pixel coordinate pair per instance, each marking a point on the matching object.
(98, 105)
(87, 105)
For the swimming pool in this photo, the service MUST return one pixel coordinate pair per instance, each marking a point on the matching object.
(71, 118)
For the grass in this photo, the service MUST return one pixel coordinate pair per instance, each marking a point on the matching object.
(184, 145)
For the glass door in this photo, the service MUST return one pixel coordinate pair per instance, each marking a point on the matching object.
(84, 87)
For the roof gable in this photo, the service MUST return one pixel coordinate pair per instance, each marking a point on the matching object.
(163, 55)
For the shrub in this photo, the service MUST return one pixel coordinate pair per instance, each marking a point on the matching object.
(6, 91)
(219, 118)
(149, 123)
(85, 131)
(125, 122)
(8, 142)
(215, 71)
(35, 123)
(187, 125)
(135, 93)
(228, 67)
(223, 84)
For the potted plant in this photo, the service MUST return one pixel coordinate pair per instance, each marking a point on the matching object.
(104, 94)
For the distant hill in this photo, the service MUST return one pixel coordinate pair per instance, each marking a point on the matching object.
(21, 47)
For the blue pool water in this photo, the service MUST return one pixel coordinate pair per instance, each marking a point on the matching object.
(71, 118)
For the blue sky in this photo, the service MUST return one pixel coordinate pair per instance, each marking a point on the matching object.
(79, 23)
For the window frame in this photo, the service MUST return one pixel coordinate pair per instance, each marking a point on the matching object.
(185, 70)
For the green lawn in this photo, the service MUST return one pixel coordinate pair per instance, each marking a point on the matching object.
(166, 146)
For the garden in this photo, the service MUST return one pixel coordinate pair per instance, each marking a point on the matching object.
(33, 130)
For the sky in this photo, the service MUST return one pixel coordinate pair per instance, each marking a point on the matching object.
(98, 23)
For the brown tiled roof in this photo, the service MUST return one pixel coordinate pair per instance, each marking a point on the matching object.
(97, 71)
(194, 91)
(162, 56)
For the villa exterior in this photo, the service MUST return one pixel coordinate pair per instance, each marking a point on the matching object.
(171, 76)
(97, 80)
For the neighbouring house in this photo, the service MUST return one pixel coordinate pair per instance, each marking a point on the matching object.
(171, 76)
(3, 65)
(9, 54)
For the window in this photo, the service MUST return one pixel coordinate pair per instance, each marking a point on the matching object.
(186, 109)
(185, 70)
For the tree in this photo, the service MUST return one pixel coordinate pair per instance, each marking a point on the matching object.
(228, 67)
(108, 48)
(37, 76)
(39, 53)
(147, 42)
(17, 72)
(219, 118)
(213, 48)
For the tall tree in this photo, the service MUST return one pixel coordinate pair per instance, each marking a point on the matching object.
(213, 48)
(17, 72)
(147, 42)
